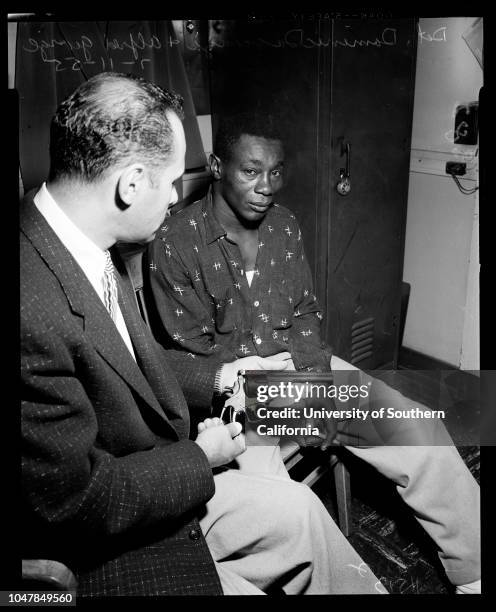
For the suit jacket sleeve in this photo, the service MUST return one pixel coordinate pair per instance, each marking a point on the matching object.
(195, 374)
(69, 479)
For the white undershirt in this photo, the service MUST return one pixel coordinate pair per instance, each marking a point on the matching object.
(88, 255)
(249, 276)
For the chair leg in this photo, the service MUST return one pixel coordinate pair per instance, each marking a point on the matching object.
(343, 496)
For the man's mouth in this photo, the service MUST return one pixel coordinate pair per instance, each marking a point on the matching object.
(260, 207)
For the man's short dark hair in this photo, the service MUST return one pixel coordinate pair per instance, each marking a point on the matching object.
(109, 120)
(232, 127)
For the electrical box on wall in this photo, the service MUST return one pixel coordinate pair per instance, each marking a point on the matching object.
(466, 124)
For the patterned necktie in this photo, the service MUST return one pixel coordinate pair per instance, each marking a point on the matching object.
(110, 287)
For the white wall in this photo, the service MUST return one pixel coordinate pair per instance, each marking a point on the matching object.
(441, 246)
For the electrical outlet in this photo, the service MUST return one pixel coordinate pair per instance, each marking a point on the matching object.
(456, 168)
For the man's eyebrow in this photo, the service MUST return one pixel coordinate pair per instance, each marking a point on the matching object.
(258, 162)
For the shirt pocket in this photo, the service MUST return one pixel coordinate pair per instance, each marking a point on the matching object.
(227, 311)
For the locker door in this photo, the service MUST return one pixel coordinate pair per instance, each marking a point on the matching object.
(373, 71)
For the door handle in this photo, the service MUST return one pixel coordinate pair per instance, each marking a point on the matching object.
(343, 186)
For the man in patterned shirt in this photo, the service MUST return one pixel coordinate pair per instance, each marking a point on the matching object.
(228, 277)
(229, 272)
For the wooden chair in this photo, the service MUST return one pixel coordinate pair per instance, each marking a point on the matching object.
(331, 465)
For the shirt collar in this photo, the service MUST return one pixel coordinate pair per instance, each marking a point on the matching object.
(88, 255)
(213, 228)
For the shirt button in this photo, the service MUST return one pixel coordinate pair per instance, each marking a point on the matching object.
(194, 534)
(258, 341)
(256, 303)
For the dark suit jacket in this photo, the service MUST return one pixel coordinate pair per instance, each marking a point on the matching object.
(112, 485)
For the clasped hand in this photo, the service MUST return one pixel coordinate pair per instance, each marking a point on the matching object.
(229, 373)
(221, 443)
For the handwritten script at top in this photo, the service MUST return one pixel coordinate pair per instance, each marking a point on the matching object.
(438, 35)
(296, 39)
(132, 49)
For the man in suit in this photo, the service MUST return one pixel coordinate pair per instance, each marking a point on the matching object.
(112, 484)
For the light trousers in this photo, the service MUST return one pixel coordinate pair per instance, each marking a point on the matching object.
(430, 476)
(432, 479)
(266, 531)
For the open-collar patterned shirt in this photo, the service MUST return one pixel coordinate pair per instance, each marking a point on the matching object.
(205, 305)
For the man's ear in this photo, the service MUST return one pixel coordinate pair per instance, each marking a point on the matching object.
(215, 166)
(131, 179)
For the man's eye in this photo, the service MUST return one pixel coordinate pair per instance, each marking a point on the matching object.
(277, 173)
(250, 172)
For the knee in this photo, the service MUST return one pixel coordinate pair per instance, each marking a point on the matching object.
(304, 508)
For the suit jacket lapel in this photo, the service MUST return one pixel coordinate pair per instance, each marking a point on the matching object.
(150, 355)
(85, 303)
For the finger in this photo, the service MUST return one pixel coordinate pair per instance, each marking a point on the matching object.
(234, 429)
(201, 427)
(208, 422)
(270, 364)
(217, 421)
(332, 431)
(291, 365)
(240, 442)
(280, 356)
(328, 442)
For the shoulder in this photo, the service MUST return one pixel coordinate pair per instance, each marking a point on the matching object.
(33, 269)
(44, 307)
(182, 226)
(283, 215)
(182, 219)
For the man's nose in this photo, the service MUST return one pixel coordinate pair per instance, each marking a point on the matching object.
(264, 185)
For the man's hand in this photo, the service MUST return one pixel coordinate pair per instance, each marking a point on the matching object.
(285, 356)
(310, 440)
(327, 432)
(330, 430)
(230, 370)
(221, 443)
(327, 426)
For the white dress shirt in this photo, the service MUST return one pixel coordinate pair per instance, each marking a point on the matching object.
(88, 255)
